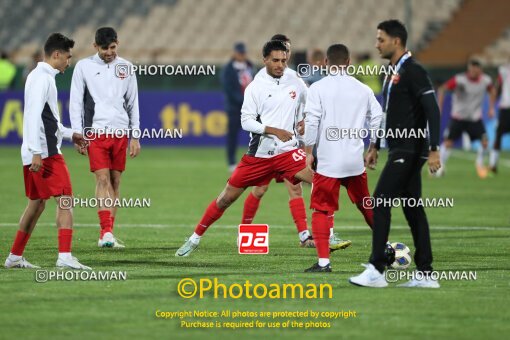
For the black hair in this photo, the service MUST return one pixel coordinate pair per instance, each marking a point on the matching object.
(57, 42)
(337, 54)
(105, 36)
(273, 45)
(475, 62)
(394, 29)
(281, 37)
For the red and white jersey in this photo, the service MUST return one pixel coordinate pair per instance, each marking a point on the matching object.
(275, 102)
(104, 95)
(504, 81)
(468, 95)
(42, 130)
(335, 104)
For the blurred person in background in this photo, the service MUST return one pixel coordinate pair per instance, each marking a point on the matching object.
(502, 89)
(372, 81)
(36, 57)
(315, 57)
(7, 71)
(469, 90)
(235, 77)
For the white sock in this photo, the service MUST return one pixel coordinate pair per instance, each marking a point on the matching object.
(13, 257)
(323, 262)
(493, 158)
(444, 154)
(195, 238)
(65, 256)
(304, 235)
(331, 232)
(479, 156)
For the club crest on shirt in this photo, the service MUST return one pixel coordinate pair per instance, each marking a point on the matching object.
(395, 79)
(292, 94)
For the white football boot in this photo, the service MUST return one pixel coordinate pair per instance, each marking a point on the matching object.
(423, 282)
(20, 263)
(187, 248)
(369, 278)
(71, 263)
(109, 241)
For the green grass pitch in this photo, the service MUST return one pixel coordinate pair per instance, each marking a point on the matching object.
(473, 235)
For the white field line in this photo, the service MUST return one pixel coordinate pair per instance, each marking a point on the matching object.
(225, 226)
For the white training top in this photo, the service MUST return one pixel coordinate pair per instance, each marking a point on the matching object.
(42, 130)
(504, 77)
(274, 102)
(104, 95)
(336, 103)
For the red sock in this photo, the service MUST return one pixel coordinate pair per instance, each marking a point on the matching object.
(19, 243)
(298, 211)
(113, 221)
(105, 221)
(65, 236)
(368, 214)
(320, 232)
(212, 213)
(331, 220)
(251, 205)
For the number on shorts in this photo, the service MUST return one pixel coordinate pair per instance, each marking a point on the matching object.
(299, 155)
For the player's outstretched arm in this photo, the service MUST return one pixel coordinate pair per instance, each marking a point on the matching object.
(76, 104)
(35, 99)
(134, 147)
(428, 101)
(371, 156)
(282, 135)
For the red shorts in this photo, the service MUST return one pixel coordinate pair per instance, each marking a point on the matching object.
(107, 153)
(326, 191)
(256, 171)
(52, 179)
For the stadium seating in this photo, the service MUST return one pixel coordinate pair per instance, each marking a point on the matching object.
(498, 52)
(475, 26)
(203, 31)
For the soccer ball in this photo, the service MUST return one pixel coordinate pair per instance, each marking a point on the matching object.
(402, 256)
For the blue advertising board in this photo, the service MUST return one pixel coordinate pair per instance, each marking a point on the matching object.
(198, 116)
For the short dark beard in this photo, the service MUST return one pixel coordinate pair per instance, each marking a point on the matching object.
(272, 75)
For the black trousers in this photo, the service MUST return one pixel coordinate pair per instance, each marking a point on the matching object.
(401, 177)
(234, 125)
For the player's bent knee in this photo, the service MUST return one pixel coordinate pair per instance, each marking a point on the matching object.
(41, 205)
(295, 191)
(305, 175)
(229, 195)
(259, 191)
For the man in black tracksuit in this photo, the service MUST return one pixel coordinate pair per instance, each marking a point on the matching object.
(235, 77)
(410, 103)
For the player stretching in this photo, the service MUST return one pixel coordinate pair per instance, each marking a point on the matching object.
(272, 103)
(44, 169)
(104, 97)
(337, 102)
(296, 202)
(469, 90)
(503, 87)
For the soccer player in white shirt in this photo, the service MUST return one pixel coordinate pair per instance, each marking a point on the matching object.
(296, 202)
(469, 89)
(104, 104)
(503, 89)
(44, 169)
(336, 103)
(271, 108)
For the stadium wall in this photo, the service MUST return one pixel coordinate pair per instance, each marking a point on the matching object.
(199, 115)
